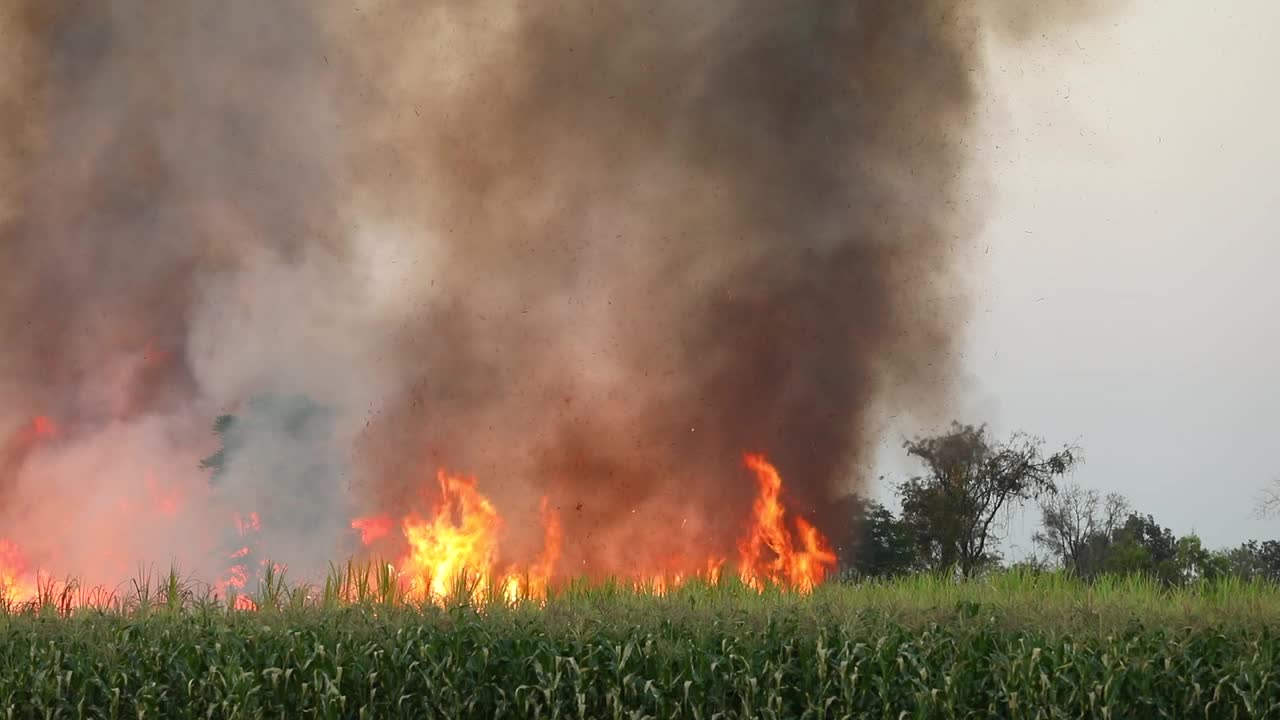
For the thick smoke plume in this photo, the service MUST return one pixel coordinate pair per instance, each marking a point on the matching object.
(594, 251)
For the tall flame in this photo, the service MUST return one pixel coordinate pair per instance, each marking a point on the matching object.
(768, 553)
(461, 537)
(15, 586)
(457, 547)
(16, 581)
(236, 579)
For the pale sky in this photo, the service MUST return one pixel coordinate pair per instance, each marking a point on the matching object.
(1128, 300)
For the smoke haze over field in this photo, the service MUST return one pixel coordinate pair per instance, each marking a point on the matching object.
(589, 251)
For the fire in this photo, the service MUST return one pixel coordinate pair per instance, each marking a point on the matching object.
(16, 582)
(248, 524)
(457, 547)
(784, 564)
(15, 586)
(536, 582)
(236, 579)
(373, 529)
(461, 537)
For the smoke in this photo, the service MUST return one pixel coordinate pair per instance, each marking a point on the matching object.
(668, 233)
(583, 250)
(174, 246)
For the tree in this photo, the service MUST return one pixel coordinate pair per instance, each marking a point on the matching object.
(880, 544)
(1269, 499)
(887, 548)
(1254, 561)
(229, 441)
(1142, 546)
(954, 509)
(1078, 525)
(1193, 562)
(1032, 564)
(847, 513)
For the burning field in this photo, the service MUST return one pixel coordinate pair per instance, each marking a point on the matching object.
(538, 344)
(457, 537)
(536, 291)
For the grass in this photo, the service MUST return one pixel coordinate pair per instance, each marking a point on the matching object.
(1011, 645)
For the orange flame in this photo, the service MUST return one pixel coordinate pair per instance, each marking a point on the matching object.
(373, 529)
(457, 547)
(783, 564)
(461, 537)
(237, 574)
(16, 581)
(247, 524)
(15, 586)
(536, 581)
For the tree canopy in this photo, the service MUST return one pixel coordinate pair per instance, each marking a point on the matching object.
(952, 515)
(955, 508)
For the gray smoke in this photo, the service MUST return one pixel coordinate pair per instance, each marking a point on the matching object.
(594, 251)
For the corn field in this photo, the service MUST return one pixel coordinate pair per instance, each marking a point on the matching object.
(1008, 646)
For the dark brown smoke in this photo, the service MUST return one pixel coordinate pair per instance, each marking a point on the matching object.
(591, 250)
(667, 234)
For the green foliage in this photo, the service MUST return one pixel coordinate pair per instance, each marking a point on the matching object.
(954, 508)
(1018, 646)
(229, 440)
(952, 512)
(882, 545)
(1253, 561)
(1141, 545)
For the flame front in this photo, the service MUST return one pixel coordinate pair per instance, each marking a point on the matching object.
(461, 537)
(457, 547)
(768, 553)
(16, 581)
(455, 551)
(15, 586)
(236, 579)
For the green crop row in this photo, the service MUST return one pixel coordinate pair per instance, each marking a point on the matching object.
(480, 666)
(1052, 599)
(1014, 647)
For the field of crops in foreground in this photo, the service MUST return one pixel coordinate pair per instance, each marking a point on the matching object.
(1009, 646)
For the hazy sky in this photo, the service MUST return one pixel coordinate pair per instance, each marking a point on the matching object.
(1126, 297)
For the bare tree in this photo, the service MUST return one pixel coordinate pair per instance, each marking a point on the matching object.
(1078, 525)
(1269, 499)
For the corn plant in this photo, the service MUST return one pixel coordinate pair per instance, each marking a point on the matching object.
(1004, 646)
